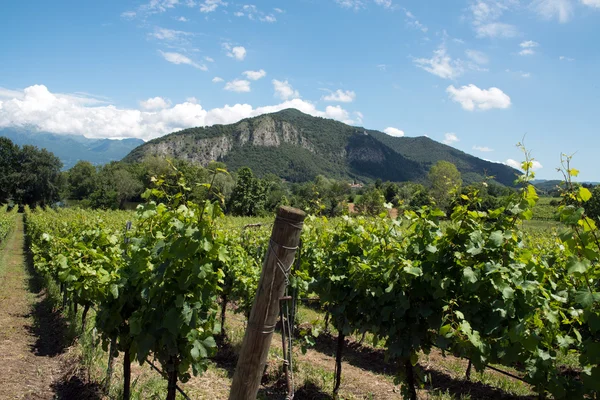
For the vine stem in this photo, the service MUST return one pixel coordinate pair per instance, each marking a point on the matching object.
(126, 374)
(410, 379)
(172, 379)
(338, 363)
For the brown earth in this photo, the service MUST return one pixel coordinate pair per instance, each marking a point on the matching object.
(34, 361)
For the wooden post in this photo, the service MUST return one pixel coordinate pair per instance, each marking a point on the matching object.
(285, 238)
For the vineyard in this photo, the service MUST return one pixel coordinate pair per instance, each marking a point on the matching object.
(472, 283)
(7, 221)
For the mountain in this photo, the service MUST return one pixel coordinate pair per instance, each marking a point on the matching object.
(72, 148)
(551, 187)
(297, 147)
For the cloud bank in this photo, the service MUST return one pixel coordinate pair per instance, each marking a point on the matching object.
(37, 108)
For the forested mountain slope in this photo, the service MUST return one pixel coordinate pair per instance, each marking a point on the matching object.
(297, 147)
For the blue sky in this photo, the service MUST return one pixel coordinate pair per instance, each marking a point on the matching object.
(476, 74)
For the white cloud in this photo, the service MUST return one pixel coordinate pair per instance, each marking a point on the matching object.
(342, 96)
(412, 22)
(550, 9)
(477, 57)
(591, 3)
(515, 164)
(10, 94)
(284, 90)
(237, 52)
(384, 3)
(484, 149)
(177, 58)
(155, 103)
(528, 47)
(355, 4)
(217, 79)
(36, 107)
(450, 139)
(182, 19)
(563, 58)
(360, 4)
(337, 112)
(382, 67)
(79, 98)
(441, 64)
(192, 100)
(485, 16)
(158, 6)
(128, 14)
(209, 59)
(211, 5)
(471, 97)
(254, 75)
(496, 30)
(254, 14)
(359, 117)
(393, 131)
(238, 85)
(168, 34)
(268, 18)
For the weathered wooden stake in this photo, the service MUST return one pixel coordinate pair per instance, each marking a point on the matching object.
(285, 238)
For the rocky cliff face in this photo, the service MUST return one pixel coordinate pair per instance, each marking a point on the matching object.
(263, 132)
(297, 147)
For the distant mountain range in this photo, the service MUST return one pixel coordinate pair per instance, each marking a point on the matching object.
(297, 147)
(72, 148)
(551, 186)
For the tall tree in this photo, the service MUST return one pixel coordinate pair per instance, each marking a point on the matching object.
(82, 179)
(249, 194)
(116, 186)
(8, 166)
(445, 180)
(38, 177)
(371, 202)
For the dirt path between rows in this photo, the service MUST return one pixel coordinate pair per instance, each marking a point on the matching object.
(31, 334)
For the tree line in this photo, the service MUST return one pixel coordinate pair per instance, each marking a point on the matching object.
(32, 176)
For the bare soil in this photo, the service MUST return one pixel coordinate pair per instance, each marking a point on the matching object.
(34, 361)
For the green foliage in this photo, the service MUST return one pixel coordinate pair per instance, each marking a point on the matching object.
(593, 204)
(445, 181)
(371, 203)
(7, 221)
(28, 175)
(249, 195)
(37, 177)
(8, 168)
(82, 180)
(473, 281)
(298, 147)
(174, 254)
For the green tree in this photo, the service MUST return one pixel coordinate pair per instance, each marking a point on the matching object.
(82, 180)
(593, 205)
(445, 181)
(37, 177)
(8, 166)
(249, 194)
(391, 191)
(371, 202)
(116, 186)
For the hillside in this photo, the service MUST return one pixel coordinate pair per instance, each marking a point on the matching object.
(297, 147)
(72, 148)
